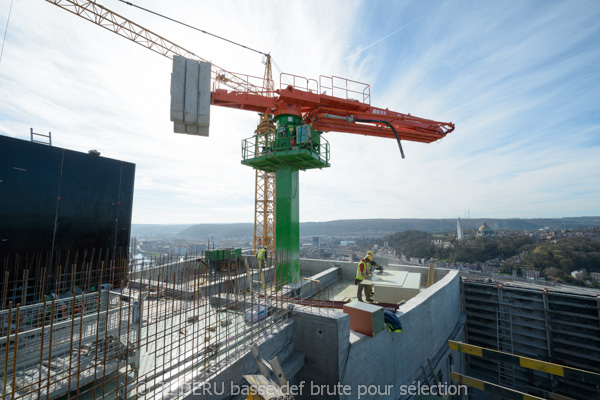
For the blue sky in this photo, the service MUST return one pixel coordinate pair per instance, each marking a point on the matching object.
(520, 79)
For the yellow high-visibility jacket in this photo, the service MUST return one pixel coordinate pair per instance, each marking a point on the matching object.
(364, 269)
(262, 254)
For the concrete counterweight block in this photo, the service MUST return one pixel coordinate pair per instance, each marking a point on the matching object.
(190, 96)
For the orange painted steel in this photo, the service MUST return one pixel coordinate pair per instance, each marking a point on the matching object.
(329, 113)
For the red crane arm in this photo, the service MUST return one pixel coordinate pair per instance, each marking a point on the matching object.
(335, 114)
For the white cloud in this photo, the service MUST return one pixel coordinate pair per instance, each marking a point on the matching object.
(521, 84)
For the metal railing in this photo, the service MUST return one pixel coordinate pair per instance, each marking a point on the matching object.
(258, 85)
(275, 146)
(298, 82)
(345, 88)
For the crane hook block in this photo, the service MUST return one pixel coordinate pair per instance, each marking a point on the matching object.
(190, 96)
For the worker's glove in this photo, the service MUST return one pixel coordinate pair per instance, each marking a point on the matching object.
(356, 281)
(380, 268)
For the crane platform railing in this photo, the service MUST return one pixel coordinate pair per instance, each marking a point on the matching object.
(345, 88)
(298, 82)
(303, 148)
(260, 85)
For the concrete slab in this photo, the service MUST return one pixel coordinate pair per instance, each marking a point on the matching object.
(394, 286)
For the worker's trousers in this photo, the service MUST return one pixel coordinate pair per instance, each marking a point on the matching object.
(368, 292)
(261, 268)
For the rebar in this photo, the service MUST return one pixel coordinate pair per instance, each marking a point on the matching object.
(82, 316)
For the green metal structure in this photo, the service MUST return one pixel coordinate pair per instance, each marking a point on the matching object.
(292, 147)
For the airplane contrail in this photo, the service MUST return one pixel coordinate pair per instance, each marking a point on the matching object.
(391, 34)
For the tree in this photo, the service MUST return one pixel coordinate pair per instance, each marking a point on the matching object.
(567, 265)
(552, 273)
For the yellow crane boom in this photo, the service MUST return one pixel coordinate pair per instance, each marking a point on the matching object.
(128, 29)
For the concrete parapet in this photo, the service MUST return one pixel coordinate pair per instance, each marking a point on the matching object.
(166, 272)
(337, 358)
(439, 272)
(318, 282)
(186, 290)
(347, 270)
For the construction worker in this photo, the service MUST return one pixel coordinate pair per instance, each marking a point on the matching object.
(261, 256)
(364, 271)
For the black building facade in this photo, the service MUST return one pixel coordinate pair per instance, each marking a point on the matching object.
(65, 220)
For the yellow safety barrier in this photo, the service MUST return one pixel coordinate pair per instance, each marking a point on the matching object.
(525, 362)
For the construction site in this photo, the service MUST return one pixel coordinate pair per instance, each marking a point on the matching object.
(82, 319)
(181, 330)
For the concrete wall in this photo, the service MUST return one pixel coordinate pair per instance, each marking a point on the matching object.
(217, 287)
(336, 357)
(324, 340)
(428, 321)
(308, 267)
(183, 267)
(318, 282)
(166, 272)
(348, 269)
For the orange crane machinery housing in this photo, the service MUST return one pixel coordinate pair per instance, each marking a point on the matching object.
(302, 110)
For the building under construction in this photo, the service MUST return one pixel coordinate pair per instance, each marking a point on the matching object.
(203, 326)
(219, 326)
(180, 329)
(85, 322)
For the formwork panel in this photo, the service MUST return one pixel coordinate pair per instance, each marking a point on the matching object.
(559, 327)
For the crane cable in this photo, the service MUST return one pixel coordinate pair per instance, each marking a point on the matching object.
(193, 27)
(6, 30)
(280, 72)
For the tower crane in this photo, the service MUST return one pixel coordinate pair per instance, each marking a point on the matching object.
(264, 201)
(302, 110)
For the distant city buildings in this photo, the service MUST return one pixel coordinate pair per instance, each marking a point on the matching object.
(485, 231)
(579, 274)
(441, 243)
(531, 274)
